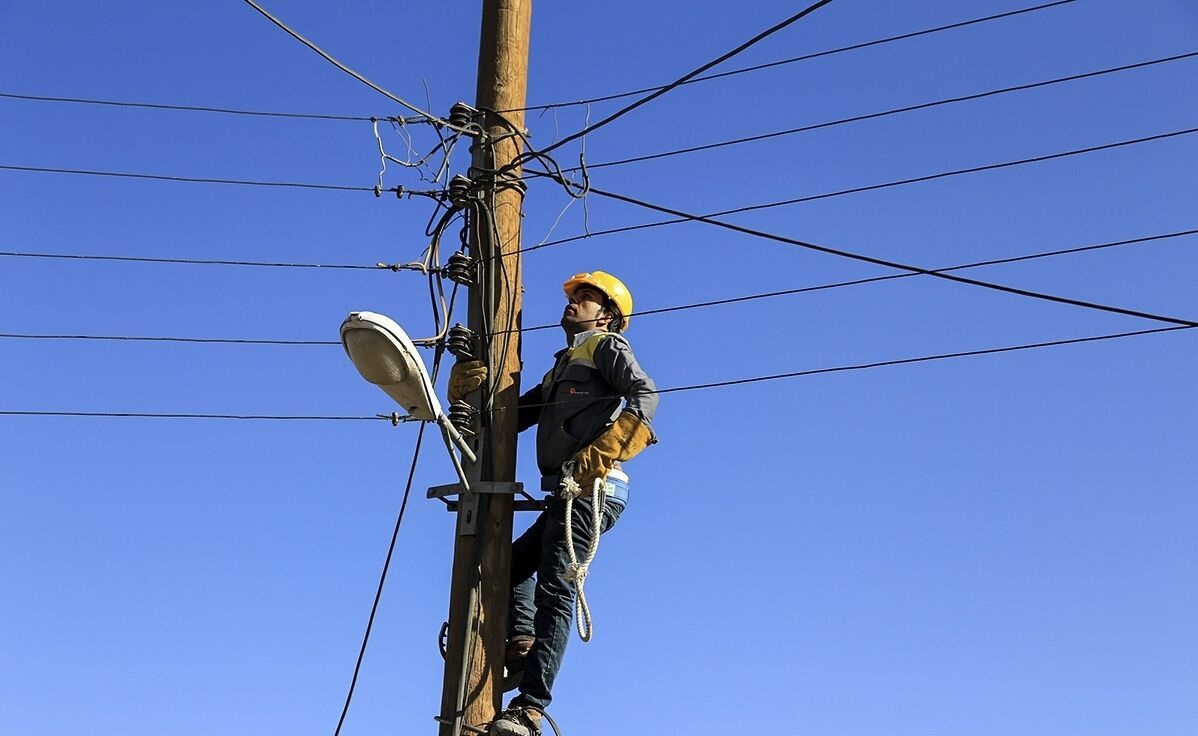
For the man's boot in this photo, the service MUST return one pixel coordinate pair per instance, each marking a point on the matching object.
(513, 661)
(517, 721)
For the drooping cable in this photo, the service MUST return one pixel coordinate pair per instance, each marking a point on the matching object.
(378, 594)
(804, 57)
(327, 57)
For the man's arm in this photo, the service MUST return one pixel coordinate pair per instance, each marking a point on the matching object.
(529, 412)
(631, 432)
(618, 366)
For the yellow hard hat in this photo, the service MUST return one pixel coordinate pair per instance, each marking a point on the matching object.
(611, 286)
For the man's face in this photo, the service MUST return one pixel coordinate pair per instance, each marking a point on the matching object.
(585, 311)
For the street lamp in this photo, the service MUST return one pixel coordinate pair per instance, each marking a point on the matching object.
(385, 355)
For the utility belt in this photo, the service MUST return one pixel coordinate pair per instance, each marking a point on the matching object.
(616, 486)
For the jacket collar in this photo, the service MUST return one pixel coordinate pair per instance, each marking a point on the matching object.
(579, 339)
(582, 337)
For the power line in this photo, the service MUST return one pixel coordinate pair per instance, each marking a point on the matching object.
(133, 338)
(204, 262)
(876, 115)
(399, 191)
(960, 172)
(922, 359)
(432, 118)
(674, 389)
(841, 192)
(805, 57)
(894, 264)
(896, 362)
(155, 415)
(650, 312)
(689, 75)
(204, 108)
(893, 277)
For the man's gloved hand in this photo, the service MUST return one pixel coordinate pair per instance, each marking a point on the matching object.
(464, 377)
(622, 441)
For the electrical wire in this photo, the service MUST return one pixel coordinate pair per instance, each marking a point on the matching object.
(682, 80)
(430, 264)
(202, 262)
(893, 277)
(131, 338)
(420, 165)
(199, 108)
(659, 310)
(884, 364)
(156, 415)
(922, 359)
(895, 264)
(378, 594)
(841, 192)
(792, 60)
(885, 113)
(428, 115)
(399, 191)
(548, 106)
(691, 387)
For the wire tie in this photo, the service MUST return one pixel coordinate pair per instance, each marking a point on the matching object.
(395, 418)
(400, 191)
(378, 191)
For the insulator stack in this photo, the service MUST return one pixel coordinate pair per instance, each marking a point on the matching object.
(461, 416)
(460, 342)
(459, 190)
(461, 269)
(461, 115)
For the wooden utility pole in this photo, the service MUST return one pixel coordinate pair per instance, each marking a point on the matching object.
(472, 691)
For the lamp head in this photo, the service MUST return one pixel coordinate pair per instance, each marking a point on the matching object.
(386, 357)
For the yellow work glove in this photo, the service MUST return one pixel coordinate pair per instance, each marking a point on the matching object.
(622, 441)
(464, 377)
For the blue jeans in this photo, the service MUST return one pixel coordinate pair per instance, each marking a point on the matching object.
(544, 608)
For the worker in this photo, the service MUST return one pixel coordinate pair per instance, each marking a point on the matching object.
(594, 408)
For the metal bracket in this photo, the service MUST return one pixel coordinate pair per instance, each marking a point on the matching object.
(518, 505)
(467, 503)
(478, 486)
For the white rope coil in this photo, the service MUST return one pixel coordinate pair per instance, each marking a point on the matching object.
(577, 571)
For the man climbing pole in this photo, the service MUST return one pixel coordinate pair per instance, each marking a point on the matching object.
(593, 411)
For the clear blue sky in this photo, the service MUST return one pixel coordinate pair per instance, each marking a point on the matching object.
(988, 546)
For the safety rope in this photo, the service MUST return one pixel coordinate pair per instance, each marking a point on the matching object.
(577, 572)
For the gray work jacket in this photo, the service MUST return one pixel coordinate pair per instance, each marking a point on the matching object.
(590, 383)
